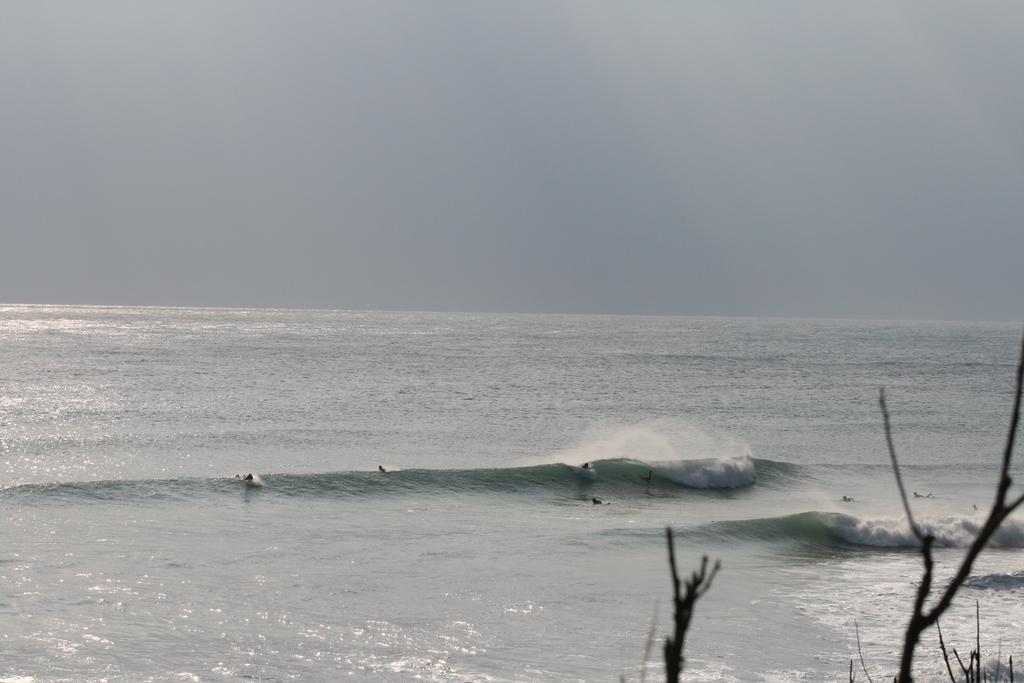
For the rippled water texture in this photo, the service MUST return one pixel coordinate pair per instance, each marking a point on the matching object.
(130, 550)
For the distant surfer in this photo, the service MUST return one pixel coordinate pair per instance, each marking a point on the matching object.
(381, 469)
(587, 466)
(847, 499)
(596, 501)
(647, 478)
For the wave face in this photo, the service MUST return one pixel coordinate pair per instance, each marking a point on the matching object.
(729, 473)
(621, 477)
(832, 529)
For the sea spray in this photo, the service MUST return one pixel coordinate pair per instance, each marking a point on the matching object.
(675, 450)
(660, 440)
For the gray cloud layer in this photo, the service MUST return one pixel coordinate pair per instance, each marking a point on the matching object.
(740, 158)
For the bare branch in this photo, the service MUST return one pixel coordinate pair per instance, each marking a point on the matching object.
(967, 673)
(1000, 510)
(696, 586)
(649, 644)
(896, 465)
(1011, 437)
(977, 621)
(945, 655)
(861, 654)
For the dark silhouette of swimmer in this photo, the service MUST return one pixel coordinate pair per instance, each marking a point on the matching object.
(248, 477)
(648, 477)
(596, 501)
(586, 466)
(381, 468)
(974, 507)
(847, 499)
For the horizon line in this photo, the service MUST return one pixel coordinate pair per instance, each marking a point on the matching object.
(779, 317)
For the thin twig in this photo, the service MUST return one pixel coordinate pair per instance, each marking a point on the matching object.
(967, 673)
(945, 655)
(649, 644)
(1011, 436)
(977, 622)
(896, 466)
(856, 630)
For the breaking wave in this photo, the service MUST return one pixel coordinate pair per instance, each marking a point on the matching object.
(837, 529)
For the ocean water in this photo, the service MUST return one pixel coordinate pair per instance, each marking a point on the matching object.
(129, 550)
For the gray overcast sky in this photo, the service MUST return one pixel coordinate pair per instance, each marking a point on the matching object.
(782, 157)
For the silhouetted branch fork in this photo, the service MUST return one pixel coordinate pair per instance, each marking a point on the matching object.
(1000, 510)
(696, 586)
(967, 672)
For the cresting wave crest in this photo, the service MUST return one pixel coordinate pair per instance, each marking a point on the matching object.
(623, 477)
(831, 529)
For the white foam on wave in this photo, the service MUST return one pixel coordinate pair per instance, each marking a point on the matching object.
(718, 473)
(954, 532)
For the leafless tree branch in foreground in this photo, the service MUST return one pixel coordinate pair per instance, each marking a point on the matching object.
(923, 618)
(696, 586)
